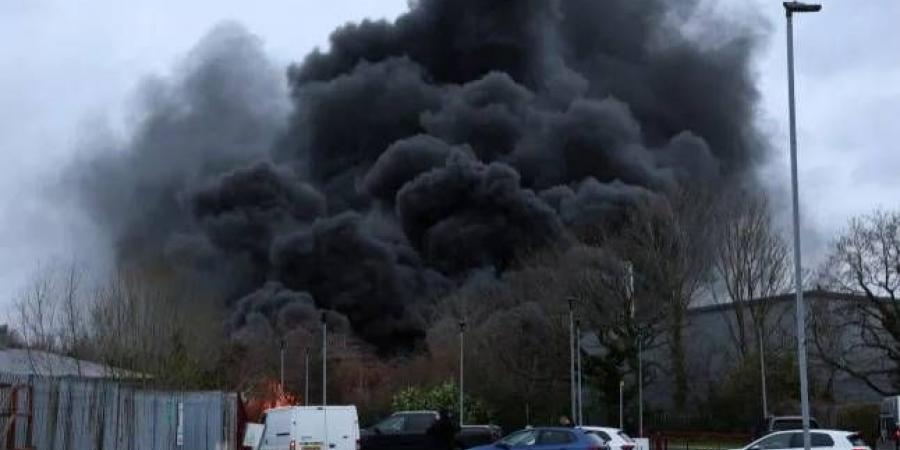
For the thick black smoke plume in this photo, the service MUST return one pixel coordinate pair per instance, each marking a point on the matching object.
(419, 151)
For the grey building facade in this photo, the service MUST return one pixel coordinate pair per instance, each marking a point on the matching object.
(712, 349)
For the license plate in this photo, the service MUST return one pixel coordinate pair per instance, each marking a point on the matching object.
(310, 447)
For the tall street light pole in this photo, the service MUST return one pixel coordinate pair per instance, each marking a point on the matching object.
(762, 371)
(324, 361)
(306, 379)
(640, 344)
(621, 404)
(580, 419)
(572, 357)
(281, 345)
(462, 361)
(790, 8)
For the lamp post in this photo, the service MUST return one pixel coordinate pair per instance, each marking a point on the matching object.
(324, 361)
(621, 404)
(580, 418)
(281, 344)
(572, 356)
(306, 378)
(462, 360)
(640, 347)
(762, 373)
(790, 8)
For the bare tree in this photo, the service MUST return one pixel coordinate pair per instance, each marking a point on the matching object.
(157, 327)
(620, 318)
(666, 241)
(752, 262)
(861, 335)
(48, 313)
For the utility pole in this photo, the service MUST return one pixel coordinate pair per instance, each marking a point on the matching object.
(572, 356)
(762, 372)
(640, 348)
(462, 361)
(281, 345)
(324, 361)
(790, 8)
(306, 378)
(580, 420)
(621, 404)
(640, 384)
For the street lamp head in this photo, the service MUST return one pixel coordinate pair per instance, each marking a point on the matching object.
(798, 7)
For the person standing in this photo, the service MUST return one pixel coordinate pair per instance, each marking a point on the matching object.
(442, 432)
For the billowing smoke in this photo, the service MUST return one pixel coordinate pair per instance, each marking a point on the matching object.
(412, 154)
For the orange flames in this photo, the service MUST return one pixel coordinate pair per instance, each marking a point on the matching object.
(267, 396)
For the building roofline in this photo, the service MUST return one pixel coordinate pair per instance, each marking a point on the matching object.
(813, 294)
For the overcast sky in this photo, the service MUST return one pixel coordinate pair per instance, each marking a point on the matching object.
(69, 68)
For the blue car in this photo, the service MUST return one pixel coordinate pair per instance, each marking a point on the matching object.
(548, 438)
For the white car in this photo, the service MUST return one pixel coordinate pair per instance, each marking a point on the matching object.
(615, 438)
(819, 439)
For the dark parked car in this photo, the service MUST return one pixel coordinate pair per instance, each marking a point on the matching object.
(407, 430)
(547, 438)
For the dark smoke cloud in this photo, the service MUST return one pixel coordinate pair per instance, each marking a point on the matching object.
(274, 310)
(242, 211)
(419, 153)
(403, 161)
(223, 108)
(467, 215)
(374, 282)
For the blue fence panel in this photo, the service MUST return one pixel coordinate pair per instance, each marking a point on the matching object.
(101, 414)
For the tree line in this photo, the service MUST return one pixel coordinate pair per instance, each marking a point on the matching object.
(632, 279)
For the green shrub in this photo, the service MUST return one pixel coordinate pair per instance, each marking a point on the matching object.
(442, 395)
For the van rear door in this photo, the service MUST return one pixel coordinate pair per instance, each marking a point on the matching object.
(309, 428)
(343, 427)
(277, 433)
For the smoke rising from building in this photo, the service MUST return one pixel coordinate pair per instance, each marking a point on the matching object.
(412, 154)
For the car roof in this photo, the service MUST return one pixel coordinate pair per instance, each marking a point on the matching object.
(594, 428)
(816, 430)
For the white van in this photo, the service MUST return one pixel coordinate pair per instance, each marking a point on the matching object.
(311, 428)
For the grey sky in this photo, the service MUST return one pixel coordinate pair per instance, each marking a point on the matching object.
(69, 69)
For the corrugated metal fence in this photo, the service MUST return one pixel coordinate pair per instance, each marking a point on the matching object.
(93, 414)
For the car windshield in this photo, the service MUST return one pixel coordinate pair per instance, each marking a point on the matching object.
(419, 422)
(391, 424)
(600, 434)
(520, 438)
(556, 437)
(596, 439)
